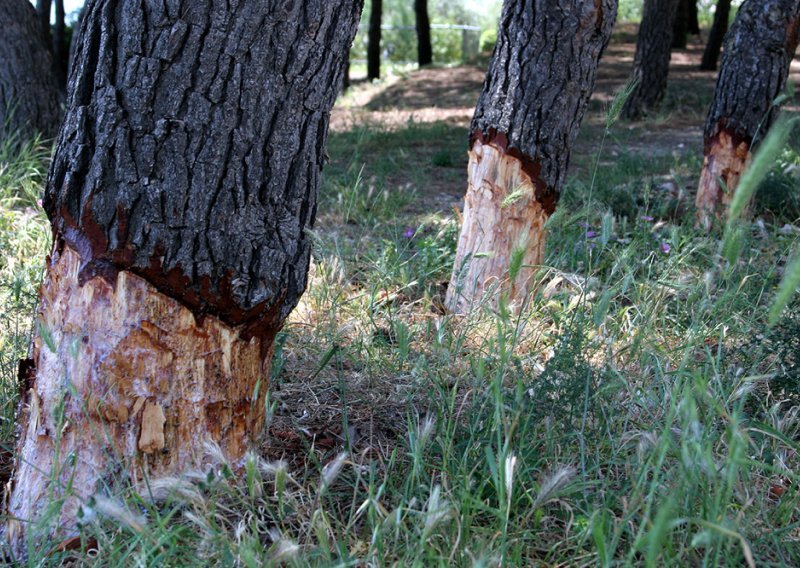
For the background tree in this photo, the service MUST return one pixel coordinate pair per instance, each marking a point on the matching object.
(374, 40)
(716, 36)
(43, 11)
(651, 63)
(28, 93)
(180, 195)
(535, 95)
(423, 27)
(680, 27)
(60, 47)
(755, 64)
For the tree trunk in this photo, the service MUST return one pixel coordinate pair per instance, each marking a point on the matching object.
(60, 52)
(651, 63)
(374, 40)
(423, 25)
(755, 64)
(694, 20)
(73, 44)
(43, 9)
(180, 195)
(28, 93)
(680, 28)
(535, 95)
(715, 37)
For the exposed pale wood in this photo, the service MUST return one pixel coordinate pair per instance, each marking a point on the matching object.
(142, 384)
(501, 214)
(726, 158)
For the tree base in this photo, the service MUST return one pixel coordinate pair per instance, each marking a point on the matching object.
(726, 158)
(503, 227)
(125, 384)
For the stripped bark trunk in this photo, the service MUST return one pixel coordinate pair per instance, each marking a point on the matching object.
(423, 26)
(716, 36)
(651, 63)
(28, 93)
(180, 196)
(374, 40)
(535, 95)
(755, 64)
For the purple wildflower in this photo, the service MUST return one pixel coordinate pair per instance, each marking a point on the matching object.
(647, 218)
(665, 248)
(590, 234)
(409, 232)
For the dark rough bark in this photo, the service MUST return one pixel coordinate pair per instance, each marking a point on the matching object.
(192, 147)
(60, 48)
(423, 25)
(43, 8)
(680, 28)
(28, 93)
(374, 40)
(180, 196)
(716, 36)
(533, 101)
(73, 44)
(755, 64)
(651, 63)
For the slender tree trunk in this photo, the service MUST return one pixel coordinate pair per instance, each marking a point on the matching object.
(680, 28)
(60, 52)
(716, 36)
(694, 21)
(755, 64)
(374, 40)
(73, 44)
(180, 195)
(43, 8)
(28, 93)
(535, 95)
(651, 63)
(424, 48)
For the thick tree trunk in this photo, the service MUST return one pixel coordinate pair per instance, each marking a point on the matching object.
(28, 93)
(423, 25)
(755, 64)
(535, 95)
(374, 40)
(180, 196)
(43, 9)
(60, 52)
(716, 36)
(651, 63)
(680, 27)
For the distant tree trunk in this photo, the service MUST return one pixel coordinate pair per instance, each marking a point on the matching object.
(535, 95)
(651, 63)
(680, 28)
(694, 21)
(715, 37)
(28, 93)
(43, 9)
(755, 64)
(180, 196)
(374, 40)
(60, 53)
(424, 48)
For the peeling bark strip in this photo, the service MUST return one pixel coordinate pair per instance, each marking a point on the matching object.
(28, 92)
(755, 64)
(535, 95)
(651, 62)
(184, 181)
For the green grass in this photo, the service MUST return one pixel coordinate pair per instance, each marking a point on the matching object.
(639, 411)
